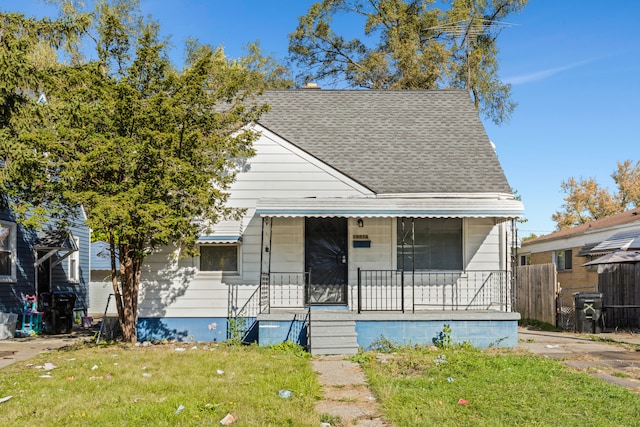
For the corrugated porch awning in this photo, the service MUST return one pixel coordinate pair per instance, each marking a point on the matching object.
(391, 207)
(625, 240)
(227, 231)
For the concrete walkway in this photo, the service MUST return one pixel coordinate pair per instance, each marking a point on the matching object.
(19, 349)
(346, 394)
(612, 357)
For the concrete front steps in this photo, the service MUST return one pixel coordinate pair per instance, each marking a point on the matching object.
(328, 334)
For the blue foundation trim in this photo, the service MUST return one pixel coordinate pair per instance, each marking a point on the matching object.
(196, 329)
(482, 332)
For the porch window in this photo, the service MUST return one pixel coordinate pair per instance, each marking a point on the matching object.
(563, 260)
(219, 258)
(7, 251)
(429, 243)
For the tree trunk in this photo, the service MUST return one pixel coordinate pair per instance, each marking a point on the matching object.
(129, 277)
(114, 277)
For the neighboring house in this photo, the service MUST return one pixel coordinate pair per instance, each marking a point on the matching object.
(386, 213)
(38, 262)
(100, 285)
(570, 248)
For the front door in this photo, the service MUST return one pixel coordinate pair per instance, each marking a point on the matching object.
(326, 260)
(44, 277)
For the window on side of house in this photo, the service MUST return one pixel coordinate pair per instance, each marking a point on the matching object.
(563, 260)
(525, 260)
(430, 244)
(223, 258)
(74, 263)
(8, 232)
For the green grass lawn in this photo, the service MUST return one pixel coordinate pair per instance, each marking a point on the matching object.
(423, 387)
(145, 386)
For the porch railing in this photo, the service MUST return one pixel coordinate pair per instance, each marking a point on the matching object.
(241, 320)
(395, 290)
(285, 289)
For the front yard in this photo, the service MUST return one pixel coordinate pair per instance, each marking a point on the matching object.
(199, 384)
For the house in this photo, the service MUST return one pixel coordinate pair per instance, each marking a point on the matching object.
(100, 285)
(48, 261)
(570, 248)
(368, 214)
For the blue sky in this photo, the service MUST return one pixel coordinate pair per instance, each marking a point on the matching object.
(574, 66)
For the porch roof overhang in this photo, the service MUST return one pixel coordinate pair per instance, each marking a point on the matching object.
(54, 241)
(503, 209)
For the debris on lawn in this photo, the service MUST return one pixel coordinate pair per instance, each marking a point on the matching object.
(463, 402)
(46, 376)
(180, 408)
(450, 379)
(94, 367)
(4, 399)
(147, 375)
(180, 349)
(219, 371)
(440, 360)
(285, 394)
(228, 419)
(47, 366)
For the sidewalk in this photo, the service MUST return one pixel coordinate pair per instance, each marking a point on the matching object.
(19, 349)
(612, 357)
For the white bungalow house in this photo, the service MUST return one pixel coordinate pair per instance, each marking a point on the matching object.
(369, 214)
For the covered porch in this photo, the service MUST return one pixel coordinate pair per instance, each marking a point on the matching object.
(382, 265)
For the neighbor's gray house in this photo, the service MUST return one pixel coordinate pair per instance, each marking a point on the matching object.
(368, 214)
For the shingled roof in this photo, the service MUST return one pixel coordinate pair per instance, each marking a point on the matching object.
(391, 141)
(627, 217)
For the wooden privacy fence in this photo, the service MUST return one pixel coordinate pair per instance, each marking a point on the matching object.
(535, 292)
(620, 287)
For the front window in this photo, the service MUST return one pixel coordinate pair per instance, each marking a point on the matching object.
(430, 243)
(219, 258)
(7, 251)
(563, 260)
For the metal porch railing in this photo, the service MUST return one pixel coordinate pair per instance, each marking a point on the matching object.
(395, 290)
(241, 321)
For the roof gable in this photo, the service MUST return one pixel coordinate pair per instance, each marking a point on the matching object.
(393, 142)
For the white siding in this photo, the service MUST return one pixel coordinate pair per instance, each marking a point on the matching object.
(99, 289)
(483, 245)
(381, 254)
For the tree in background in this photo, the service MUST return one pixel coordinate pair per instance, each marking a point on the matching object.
(409, 45)
(587, 201)
(147, 150)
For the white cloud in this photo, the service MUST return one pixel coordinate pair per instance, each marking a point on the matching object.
(543, 74)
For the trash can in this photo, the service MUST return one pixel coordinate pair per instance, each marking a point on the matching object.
(58, 311)
(588, 311)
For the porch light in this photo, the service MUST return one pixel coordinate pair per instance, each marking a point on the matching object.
(360, 223)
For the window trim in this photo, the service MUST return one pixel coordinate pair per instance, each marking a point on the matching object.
(564, 257)
(237, 272)
(13, 256)
(74, 256)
